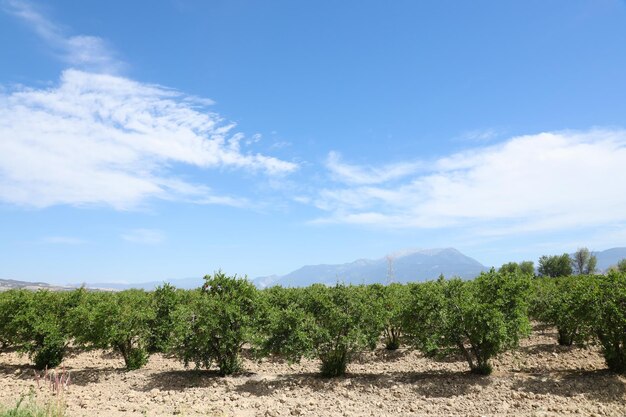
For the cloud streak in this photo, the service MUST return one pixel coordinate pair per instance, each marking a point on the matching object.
(108, 140)
(86, 52)
(548, 181)
(360, 175)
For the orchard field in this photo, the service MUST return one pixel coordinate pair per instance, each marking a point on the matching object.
(505, 343)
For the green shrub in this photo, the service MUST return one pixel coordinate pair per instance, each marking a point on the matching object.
(477, 319)
(566, 304)
(540, 297)
(394, 299)
(285, 324)
(120, 321)
(609, 318)
(215, 323)
(39, 323)
(345, 321)
(165, 299)
(328, 323)
(12, 303)
(424, 314)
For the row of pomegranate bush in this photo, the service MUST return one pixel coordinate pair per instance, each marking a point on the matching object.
(209, 326)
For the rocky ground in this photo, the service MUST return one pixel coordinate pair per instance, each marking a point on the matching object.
(539, 379)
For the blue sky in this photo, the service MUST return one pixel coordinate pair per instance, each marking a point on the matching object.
(156, 140)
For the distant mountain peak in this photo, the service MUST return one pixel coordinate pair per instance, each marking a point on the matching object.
(408, 265)
(427, 252)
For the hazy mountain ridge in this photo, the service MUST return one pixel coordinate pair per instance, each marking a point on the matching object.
(609, 257)
(186, 283)
(8, 284)
(408, 265)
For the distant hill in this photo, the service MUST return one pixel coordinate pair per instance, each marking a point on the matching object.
(609, 257)
(8, 284)
(185, 283)
(415, 265)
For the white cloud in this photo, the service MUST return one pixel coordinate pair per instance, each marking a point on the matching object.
(360, 175)
(144, 236)
(87, 52)
(109, 140)
(105, 139)
(548, 181)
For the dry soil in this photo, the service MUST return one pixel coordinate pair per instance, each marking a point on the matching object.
(538, 379)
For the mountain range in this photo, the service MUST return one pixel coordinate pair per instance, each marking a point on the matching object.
(411, 265)
(610, 257)
(8, 284)
(405, 266)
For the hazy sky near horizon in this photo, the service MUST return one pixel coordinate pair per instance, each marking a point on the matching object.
(145, 141)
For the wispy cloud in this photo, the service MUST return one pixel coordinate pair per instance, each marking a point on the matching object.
(100, 138)
(79, 51)
(360, 175)
(480, 135)
(281, 144)
(548, 181)
(144, 236)
(104, 139)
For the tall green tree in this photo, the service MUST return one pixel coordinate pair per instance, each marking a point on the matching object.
(555, 266)
(525, 267)
(584, 262)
